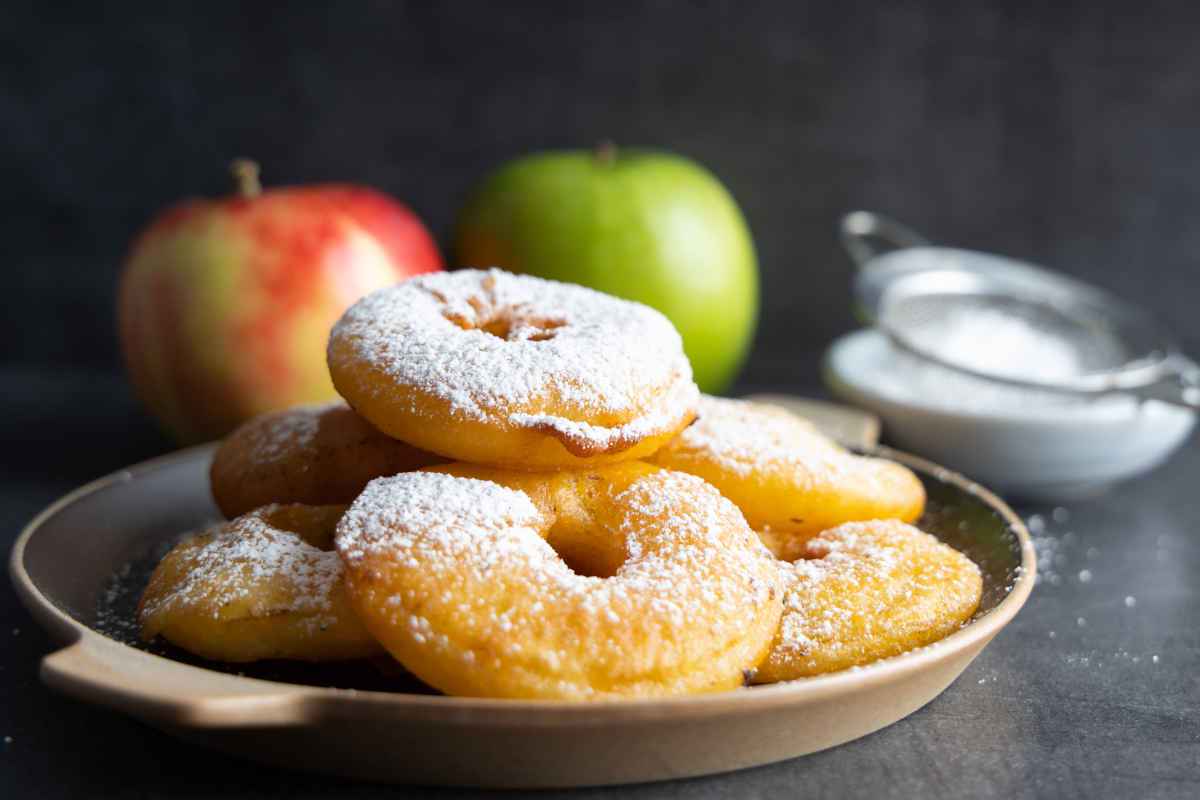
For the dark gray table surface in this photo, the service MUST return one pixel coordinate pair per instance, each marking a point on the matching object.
(1093, 691)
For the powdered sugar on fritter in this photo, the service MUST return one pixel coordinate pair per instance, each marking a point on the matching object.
(855, 586)
(249, 559)
(530, 351)
(434, 512)
(746, 438)
(662, 416)
(471, 577)
(274, 436)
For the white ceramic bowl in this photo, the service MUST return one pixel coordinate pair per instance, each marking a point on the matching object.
(1041, 449)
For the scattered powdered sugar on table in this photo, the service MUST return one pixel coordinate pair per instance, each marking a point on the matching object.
(1058, 551)
(531, 351)
(1054, 546)
(1099, 659)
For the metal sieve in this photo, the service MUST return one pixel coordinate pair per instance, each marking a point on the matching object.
(910, 289)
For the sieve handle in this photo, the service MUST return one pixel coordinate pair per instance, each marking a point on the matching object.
(1180, 387)
(867, 235)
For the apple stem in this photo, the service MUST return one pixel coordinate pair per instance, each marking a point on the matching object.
(606, 152)
(245, 176)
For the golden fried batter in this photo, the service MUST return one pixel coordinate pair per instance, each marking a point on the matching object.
(789, 480)
(265, 585)
(865, 591)
(315, 455)
(514, 371)
(624, 580)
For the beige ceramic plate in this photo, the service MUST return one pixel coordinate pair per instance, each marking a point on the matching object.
(63, 567)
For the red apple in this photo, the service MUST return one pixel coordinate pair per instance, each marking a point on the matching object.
(225, 305)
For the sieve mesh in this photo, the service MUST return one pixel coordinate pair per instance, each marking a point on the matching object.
(1004, 320)
(1007, 336)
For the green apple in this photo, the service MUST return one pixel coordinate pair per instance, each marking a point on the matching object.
(648, 226)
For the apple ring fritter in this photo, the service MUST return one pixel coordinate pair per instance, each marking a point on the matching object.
(315, 455)
(865, 591)
(624, 580)
(265, 585)
(515, 371)
(790, 480)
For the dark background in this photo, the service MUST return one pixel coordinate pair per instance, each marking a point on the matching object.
(1064, 133)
